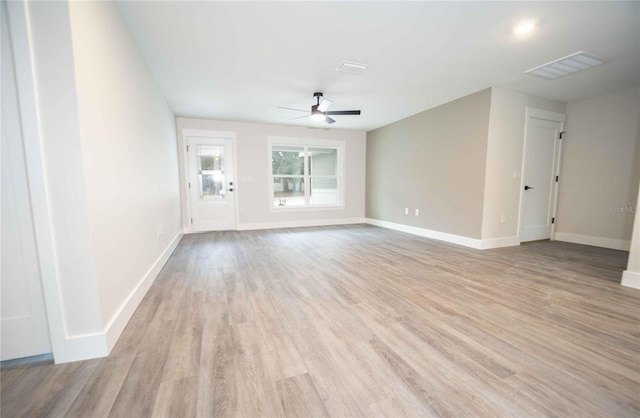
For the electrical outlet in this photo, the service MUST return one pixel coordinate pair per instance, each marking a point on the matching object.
(161, 230)
(503, 219)
(406, 211)
(417, 212)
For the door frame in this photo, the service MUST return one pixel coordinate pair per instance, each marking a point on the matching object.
(533, 113)
(16, 14)
(184, 159)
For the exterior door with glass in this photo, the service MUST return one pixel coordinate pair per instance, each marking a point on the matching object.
(211, 184)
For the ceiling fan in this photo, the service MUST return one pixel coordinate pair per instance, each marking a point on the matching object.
(319, 110)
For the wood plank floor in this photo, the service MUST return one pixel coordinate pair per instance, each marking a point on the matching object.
(360, 321)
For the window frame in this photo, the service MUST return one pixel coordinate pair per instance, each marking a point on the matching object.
(306, 144)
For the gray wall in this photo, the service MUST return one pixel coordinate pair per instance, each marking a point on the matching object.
(433, 161)
(600, 168)
(504, 156)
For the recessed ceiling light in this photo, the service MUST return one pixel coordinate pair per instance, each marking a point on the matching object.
(352, 67)
(523, 28)
(570, 64)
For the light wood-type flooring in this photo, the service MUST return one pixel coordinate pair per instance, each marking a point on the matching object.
(360, 321)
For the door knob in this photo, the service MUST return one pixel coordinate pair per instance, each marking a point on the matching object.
(528, 187)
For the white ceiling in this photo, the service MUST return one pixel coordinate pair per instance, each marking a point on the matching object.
(241, 60)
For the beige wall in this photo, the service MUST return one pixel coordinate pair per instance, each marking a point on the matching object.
(252, 157)
(504, 156)
(433, 158)
(600, 170)
(631, 276)
(433, 161)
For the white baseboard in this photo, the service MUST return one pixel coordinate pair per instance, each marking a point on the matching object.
(89, 346)
(631, 279)
(615, 244)
(298, 224)
(428, 233)
(128, 307)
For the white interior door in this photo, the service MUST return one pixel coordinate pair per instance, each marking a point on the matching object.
(539, 185)
(24, 328)
(211, 184)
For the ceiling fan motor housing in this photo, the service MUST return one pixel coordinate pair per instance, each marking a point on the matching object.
(319, 110)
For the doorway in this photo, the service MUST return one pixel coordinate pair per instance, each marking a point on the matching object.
(211, 182)
(540, 174)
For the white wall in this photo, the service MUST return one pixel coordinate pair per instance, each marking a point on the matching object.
(109, 154)
(600, 170)
(253, 162)
(504, 156)
(64, 169)
(129, 150)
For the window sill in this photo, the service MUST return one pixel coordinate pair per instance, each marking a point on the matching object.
(275, 209)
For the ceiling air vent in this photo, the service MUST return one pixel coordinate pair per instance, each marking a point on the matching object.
(352, 67)
(570, 64)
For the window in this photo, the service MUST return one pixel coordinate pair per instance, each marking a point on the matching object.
(211, 171)
(306, 173)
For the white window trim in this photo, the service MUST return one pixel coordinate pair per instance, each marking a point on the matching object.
(309, 142)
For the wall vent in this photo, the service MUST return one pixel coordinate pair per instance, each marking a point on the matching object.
(570, 64)
(352, 67)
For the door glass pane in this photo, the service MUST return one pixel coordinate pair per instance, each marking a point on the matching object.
(211, 171)
(287, 160)
(323, 161)
(288, 191)
(324, 191)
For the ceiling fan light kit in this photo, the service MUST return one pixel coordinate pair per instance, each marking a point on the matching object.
(316, 114)
(319, 110)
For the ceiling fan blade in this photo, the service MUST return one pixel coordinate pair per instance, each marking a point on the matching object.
(290, 108)
(299, 117)
(329, 120)
(324, 104)
(343, 112)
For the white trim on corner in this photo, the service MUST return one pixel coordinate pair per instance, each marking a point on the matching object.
(487, 244)
(631, 279)
(428, 233)
(20, 33)
(121, 317)
(83, 347)
(298, 224)
(614, 244)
